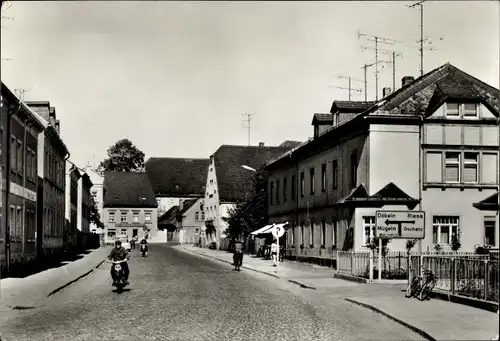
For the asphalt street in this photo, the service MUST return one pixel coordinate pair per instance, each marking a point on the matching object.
(180, 296)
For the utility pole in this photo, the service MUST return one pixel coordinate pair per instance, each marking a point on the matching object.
(349, 88)
(377, 40)
(350, 79)
(248, 121)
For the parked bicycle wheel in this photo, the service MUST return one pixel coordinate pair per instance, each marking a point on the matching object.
(426, 291)
(413, 287)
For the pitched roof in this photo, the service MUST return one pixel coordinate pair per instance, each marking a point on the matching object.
(177, 177)
(169, 216)
(322, 118)
(187, 204)
(128, 189)
(391, 192)
(489, 204)
(232, 178)
(351, 106)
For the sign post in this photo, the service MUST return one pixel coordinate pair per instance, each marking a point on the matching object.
(278, 231)
(398, 225)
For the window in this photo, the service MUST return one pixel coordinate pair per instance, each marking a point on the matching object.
(470, 110)
(292, 235)
(311, 233)
(368, 228)
(489, 231)
(123, 217)
(443, 229)
(135, 217)
(452, 110)
(28, 163)
(197, 216)
(111, 216)
(111, 233)
(123, 231)
(12, 221)
(323, 177)
(354, 170)
(203, 216)
(302, 184)
(13, 153)
(19, 156)
(147, 217)
(293, 187)
(335, 174)
(452, 167)
(271, 193)
(311, 184)
(285, 188)
(470, 172)
(19, 223)
(323, 233)
(277, 191)
(334, 233)
(302, 234)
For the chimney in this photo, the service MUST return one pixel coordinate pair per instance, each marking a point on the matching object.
(407, 80)
(261, 144)
(386, 91)
(52, 116)
(57, 127)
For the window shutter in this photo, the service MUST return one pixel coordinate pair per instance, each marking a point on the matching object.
(470, 173)
(451, 173)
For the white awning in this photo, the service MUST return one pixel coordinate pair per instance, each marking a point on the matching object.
(262, 229)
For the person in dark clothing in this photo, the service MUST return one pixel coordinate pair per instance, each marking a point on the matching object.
(117, 254)
(238, 254)
(145, 243)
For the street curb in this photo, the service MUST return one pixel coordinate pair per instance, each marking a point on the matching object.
(301, 284)
(409, 326)
(227, 262)
(73, 281)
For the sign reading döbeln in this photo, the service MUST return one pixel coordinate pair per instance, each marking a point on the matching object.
(400, 224)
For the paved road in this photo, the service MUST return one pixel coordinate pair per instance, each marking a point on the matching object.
(179, 296)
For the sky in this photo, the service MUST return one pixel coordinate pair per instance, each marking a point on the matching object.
(176, 77)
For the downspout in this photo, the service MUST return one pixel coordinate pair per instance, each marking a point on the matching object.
(420, 170)
(297, 189)
(7, 186)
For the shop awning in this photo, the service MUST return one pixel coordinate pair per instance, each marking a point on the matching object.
(262, 229)
(388, 195)
(488, 204)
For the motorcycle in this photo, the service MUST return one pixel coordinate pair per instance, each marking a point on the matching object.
(119, 274)
(144, 250)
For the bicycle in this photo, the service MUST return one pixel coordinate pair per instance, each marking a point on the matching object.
(419, 288)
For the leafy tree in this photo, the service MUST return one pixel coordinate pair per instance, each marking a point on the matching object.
(95, 217)
(123, 156)
(250, 214)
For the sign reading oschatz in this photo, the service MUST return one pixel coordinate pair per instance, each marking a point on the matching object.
(400, 224)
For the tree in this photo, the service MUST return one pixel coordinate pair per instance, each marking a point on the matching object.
(123, 156)
(250, 214)
(95, 217)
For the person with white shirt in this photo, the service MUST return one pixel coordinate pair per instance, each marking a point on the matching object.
(274, 252)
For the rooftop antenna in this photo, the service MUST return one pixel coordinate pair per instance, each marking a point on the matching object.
(248, 122)
(365, 67)
(377, 40)
(350, 79)
(349, 88)
(20, 92)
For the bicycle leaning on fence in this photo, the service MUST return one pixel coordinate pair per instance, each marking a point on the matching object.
(421, 288)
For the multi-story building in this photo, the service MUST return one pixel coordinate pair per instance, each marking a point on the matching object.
(52, 156)
(228, 182)
(71, 213)
(84, 203)
(130, 208)
(431, 146)
(19, 130)
(96, 192)
(174, 180)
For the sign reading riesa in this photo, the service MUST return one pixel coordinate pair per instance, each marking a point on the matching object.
(400, 224)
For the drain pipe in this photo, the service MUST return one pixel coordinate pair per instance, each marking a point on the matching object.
(420, 170)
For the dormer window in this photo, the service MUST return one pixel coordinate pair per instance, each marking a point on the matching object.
(462, 110)
(316, 130)
(470, 110)
(452, 110)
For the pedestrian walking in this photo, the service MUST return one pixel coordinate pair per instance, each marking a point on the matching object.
(274, 252)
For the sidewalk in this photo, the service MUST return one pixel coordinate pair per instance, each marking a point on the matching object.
(28, 291)
(434, 319)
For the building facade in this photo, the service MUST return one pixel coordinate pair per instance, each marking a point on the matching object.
(71, 213)
(84, 203)
(228, 182)
(96, 192)
(19, 130)
(192, 218)
(130, 208)
(430, 146)
(52, 155)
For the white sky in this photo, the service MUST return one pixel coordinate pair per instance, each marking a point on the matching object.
(175, 77)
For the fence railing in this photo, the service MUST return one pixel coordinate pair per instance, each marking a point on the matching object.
(353, 263)
(470, 277)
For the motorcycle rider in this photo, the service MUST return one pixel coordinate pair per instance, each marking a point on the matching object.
(118, 254)
(145, 243)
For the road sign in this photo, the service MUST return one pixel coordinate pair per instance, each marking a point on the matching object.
(400, 224)
(278, 231)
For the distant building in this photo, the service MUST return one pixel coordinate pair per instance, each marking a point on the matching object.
(192, 220)
(431, 145)
(130, 206)
(84, 204)
(229, 183)
(96, 192)
(52, 156)
(19, 130)
(174, 180)
(73, 176)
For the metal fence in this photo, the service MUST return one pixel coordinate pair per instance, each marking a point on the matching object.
(471, 277)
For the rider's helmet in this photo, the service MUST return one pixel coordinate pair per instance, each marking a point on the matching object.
(118, 243)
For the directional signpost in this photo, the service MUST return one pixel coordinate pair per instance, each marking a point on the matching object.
(397, 225)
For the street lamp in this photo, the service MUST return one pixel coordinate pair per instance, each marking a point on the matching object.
(249, 168)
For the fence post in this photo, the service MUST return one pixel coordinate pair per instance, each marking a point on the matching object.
(370, 266)
(420, 273)
(352, 263)
(409, 269)
(486, 280)
(453, 275)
